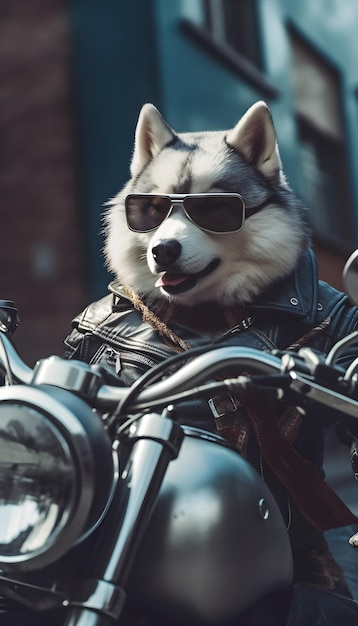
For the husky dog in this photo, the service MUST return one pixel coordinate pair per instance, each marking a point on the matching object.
(210, 247)
(190, 265)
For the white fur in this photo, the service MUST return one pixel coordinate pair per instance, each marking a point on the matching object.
(266, 249)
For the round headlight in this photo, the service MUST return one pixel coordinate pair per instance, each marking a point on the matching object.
(57, 472)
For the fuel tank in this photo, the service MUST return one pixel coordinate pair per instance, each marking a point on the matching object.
(216, 542)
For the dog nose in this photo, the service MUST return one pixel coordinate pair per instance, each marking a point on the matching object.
(166, 252)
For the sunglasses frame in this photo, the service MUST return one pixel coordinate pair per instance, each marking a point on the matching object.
(178, 199)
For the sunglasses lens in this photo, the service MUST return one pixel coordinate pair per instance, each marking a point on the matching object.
(144, 213)
(219, 214)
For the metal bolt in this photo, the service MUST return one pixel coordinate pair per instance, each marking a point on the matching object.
(263, 509)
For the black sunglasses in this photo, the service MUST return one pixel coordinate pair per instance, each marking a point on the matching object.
(215, 213)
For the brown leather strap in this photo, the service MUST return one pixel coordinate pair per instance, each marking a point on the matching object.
(319, 504)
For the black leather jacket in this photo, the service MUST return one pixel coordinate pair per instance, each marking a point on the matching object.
(112, 333)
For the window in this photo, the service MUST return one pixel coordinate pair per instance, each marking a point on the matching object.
(229, 30)
(323, 175)
(325, 187)
(234, 23)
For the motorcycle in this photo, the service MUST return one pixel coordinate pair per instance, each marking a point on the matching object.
(105, 498)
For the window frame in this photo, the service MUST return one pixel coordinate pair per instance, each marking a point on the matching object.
(336, 147)
(227, 55)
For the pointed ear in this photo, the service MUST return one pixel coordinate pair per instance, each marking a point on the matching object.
(255, 138)
(152, 134)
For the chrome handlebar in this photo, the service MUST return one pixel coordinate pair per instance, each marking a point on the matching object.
(21, 373)
(297, 373)
(192, 374)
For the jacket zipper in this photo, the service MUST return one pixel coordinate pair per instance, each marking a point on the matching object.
(131, 358)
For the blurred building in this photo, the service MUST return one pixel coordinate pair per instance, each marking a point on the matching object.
(74, 74)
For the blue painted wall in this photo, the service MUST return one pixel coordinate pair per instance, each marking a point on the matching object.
(114, 72)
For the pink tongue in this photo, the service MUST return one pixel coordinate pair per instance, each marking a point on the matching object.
(170, 279)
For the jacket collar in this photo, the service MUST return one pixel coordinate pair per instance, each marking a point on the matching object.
(296, 295)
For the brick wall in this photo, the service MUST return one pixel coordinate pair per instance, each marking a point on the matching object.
(41, 252)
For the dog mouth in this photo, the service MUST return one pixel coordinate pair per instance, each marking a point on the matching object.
(175, 282)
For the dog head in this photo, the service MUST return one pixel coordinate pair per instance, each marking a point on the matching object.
(181, 261)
